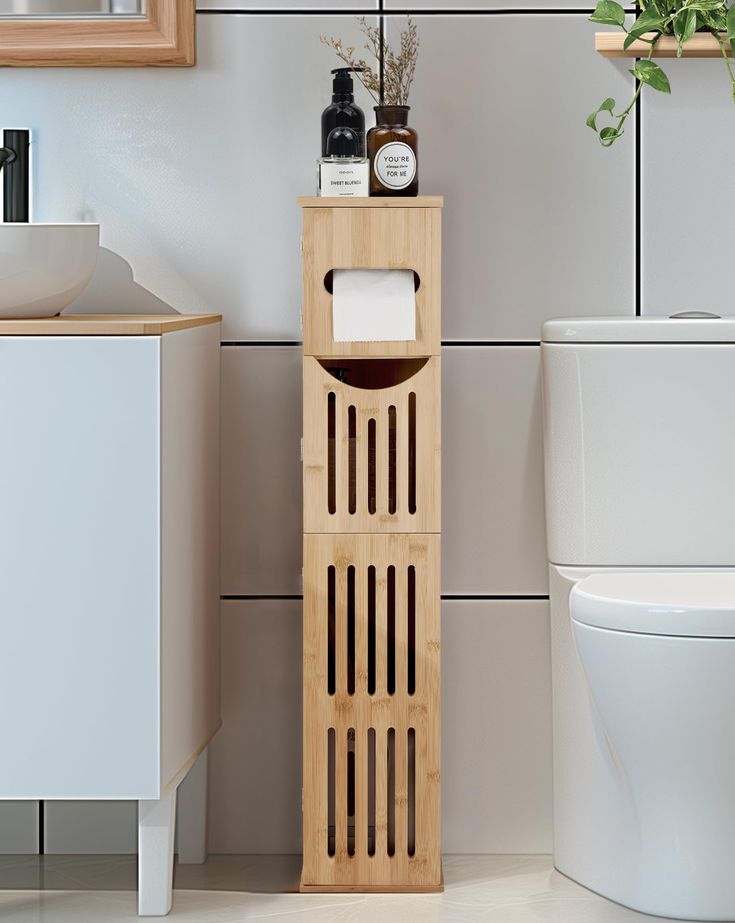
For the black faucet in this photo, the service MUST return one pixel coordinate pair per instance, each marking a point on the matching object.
(15, 165)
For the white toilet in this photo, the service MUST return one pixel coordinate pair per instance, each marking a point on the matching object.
(639, 436)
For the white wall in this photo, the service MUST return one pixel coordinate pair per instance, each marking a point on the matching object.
(193, 176)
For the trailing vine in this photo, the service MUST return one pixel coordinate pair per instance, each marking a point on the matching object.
(680, 18)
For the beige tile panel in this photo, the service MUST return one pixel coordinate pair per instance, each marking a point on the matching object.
(538, 219)
(687, 239)
(261, 470)
(493, 493)
(496, 727)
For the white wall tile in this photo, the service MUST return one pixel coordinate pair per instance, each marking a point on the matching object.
(687, 223)
(261, 470)
(91, 827)
(496, 723)
(493, 504)
(255, 759)
(538, 218)
(192, 172)
(496, 727)
(494, 539)
(18, 827)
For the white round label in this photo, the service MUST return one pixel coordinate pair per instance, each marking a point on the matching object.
(395, 165)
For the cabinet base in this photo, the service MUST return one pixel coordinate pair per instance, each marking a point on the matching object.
(372, 889)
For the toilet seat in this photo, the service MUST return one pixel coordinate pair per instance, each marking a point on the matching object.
(678, 604)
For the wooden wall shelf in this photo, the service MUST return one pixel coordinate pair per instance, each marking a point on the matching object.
(701, 45)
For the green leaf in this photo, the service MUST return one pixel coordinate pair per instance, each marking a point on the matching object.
(685, 25)
(609, 135)
(608, 13)
(648, 21)
(702, 4)
(649, 72)
(731, 28)
(716, 20)
(607, 106)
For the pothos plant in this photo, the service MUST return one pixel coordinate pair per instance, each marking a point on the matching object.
(680, 18)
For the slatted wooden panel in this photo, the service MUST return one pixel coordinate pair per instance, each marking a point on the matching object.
(371, 238)
(372, 455)
(356, 678)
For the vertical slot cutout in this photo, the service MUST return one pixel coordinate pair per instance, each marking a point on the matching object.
(331, 452)
(351, 629)
(352, 459)
(412, 452)
(331, 830)
(392, 444)
(411, 629)
(371, 629)
(411, 782)
(371, 791)
(390, 651)
(351, 792)
(331, 629)
(391, 786)
(372, 474)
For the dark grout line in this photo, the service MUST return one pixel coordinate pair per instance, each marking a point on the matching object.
(403, 11)
(260, 343)
(451, 597)
(248, 597)
(297, 343)
(491, 343)
(381, 62)
(491, 597)
(638, 185)
(41, 826)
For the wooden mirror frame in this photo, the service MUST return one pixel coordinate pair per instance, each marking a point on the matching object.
(162, 37)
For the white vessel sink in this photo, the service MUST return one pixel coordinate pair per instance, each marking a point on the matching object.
(43, 267)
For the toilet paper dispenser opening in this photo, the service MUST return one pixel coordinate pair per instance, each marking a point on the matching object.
(329, 281)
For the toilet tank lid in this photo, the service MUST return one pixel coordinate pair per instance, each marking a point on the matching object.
(675, 329)
(675, 603)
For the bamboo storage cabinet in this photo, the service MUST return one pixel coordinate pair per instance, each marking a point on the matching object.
(372, 501)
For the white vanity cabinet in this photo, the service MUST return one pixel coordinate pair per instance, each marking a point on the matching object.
(109, 598)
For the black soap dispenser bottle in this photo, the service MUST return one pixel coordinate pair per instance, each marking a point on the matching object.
(342, 111)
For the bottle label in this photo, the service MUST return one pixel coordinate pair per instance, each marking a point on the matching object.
(395, 165)
(349, 179)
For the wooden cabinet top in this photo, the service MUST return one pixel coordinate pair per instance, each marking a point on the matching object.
(421, 201)
(105, 324)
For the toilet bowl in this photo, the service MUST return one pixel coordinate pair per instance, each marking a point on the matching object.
(657, 650)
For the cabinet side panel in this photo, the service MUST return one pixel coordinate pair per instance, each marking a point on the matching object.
(79, 566)
(190, 708)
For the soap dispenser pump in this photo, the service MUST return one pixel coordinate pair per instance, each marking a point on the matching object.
(342, 111)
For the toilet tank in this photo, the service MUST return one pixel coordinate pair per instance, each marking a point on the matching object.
(639, 441)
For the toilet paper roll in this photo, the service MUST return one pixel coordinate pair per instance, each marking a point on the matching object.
(373, 305)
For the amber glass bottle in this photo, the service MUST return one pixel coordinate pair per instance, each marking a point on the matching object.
(393, 150)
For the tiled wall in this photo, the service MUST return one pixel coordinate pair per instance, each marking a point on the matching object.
(193, 176)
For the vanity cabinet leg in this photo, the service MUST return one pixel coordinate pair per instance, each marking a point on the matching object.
(156, 823)
(191, 823)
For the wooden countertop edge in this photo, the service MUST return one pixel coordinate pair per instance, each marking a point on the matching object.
(422, 201)
(105, 324)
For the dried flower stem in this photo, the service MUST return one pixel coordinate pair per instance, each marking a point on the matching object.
(398, 69)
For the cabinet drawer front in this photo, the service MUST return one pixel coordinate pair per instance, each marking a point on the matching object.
(79, 566)
(371, 711)
(372, 454)
(371, 238)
